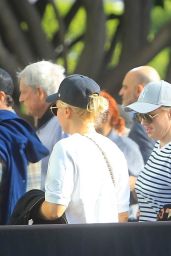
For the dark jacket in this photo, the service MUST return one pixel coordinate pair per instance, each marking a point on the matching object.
(19, 145)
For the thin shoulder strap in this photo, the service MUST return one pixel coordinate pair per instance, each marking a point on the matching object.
(106, 160)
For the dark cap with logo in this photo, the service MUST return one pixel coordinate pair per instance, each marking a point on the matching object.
(75, 90)
(6, 83)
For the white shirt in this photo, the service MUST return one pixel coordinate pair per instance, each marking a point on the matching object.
(78, 177)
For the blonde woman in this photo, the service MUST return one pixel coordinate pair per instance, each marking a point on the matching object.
(84, 177)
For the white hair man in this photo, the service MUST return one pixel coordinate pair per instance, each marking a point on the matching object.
(36, 82)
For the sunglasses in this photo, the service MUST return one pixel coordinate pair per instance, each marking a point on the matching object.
(146, 117)
(54, 109)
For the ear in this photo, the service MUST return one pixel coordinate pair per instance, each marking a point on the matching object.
(139, 88)
(170, 113)
(108, 116)
(2, 96)
(41, 93)
(68, 112)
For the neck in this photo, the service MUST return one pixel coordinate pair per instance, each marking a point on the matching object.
(41, 111)
(3, 107)
(166, 139)
(83, 129)
(105, 129)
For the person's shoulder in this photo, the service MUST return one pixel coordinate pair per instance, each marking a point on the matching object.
(10, 116)
(12, 119)
(69, 145)
(126, 144)
(53, 121)
(138, 133)
(130, 142)
(101, 138)
(70, 140)
(108, 144)
(51, 127)
(137, 127)
(132, 150)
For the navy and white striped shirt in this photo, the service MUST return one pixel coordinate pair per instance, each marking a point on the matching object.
(153, 186)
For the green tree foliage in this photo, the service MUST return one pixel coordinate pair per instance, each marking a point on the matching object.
(94, 38)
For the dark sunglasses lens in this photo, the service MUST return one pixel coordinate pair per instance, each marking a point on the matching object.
(138, 117)
(147, 118)
(54, 111)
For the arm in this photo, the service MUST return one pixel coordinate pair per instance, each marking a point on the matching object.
(59, 184)
(123, 217)
(132, 181)
(51, 211)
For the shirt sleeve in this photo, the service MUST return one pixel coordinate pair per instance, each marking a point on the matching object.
(60, 176)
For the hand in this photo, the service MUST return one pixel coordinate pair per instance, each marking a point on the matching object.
(164, 213)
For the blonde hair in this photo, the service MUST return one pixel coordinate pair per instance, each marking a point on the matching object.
(96, 106)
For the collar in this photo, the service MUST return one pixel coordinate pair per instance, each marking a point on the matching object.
(44, 119)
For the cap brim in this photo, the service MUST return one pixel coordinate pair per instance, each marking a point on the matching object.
(52, 98)
(141, 107)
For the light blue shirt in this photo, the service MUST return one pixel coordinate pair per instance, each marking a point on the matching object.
(131, 151)
(49, 134)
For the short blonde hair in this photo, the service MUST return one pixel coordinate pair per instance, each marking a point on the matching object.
(97, 105)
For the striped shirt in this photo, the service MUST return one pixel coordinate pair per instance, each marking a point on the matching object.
(153, 185)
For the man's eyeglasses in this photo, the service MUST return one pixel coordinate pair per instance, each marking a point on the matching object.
(146, 117)
(54, 109)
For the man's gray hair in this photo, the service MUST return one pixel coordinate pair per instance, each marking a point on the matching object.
(43, 74)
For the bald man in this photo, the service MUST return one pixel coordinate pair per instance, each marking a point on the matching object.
(133, 84)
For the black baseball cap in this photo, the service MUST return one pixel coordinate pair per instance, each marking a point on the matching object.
(75, 90)
(6, 82)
